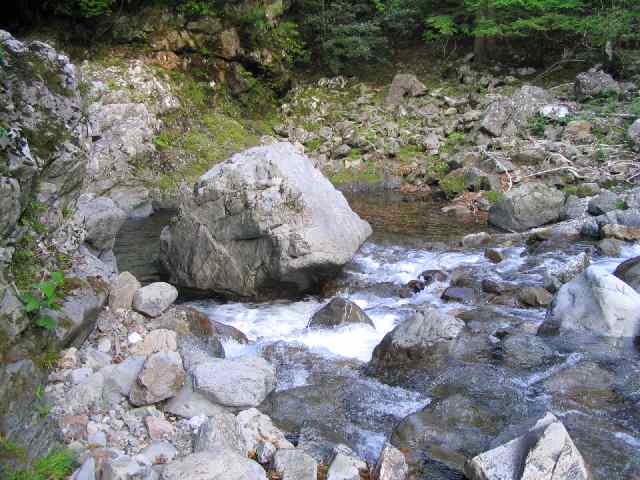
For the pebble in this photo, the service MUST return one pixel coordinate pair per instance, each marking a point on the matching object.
(134, 338)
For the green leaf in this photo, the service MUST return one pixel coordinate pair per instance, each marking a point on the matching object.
(48, 289)
(57, 278)
(31, 303)
(46, 322)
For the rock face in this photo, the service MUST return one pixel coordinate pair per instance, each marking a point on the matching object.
(629, 272)
(154, 299)
(338, 312)
(404, 85)
(527, 206)
(593, 83)
(263, 223)
(505, 116)
(595, 302)
(546, 451)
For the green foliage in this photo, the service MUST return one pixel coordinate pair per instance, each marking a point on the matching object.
(44, 295)
(81, 8)
(537, 125)
(492, 196)
(622, 205)
(58, 465)
(453, 184)
(635, 107)
(436, 167)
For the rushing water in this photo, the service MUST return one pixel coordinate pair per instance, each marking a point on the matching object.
(320, 381)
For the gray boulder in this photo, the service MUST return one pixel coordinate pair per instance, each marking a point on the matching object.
(220, 430)
(293, 464)
(404, 85)
(261, 435)
(603, 203)
(593, 83)
(217, 464)
(263, 223)
(122, 290)
(505, 116)
(161, 377)
(391, 465)
(154, 299)
(595, 302)
(338, 312)
(527, 206)
(188, 404)
(629, 272)
(546, 451)
(101, 219)
(239, 382)
(634, 133)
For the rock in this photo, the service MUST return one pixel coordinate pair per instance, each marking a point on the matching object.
(554, 111)
(459, 294)
(404, 85)
(217, 464)
(534, 297)
(621, 232)
(586, 383)
(475, 240)
(160, 340)
(188, 404)
(220, 430)
(293, 464)
(261, 435)
(391, 465)
(507, 115)
(578, 131)
(545, 451)
(86, 394)
(416, 339)
(119, 379)
(634, 133)
(629, 272)
(101, 219)
(576, 207)
(161, 377)
(267, 206)
(339, 312)
(557, 275)
(122, 290)
(594, 83)
(526, 351)
(344, 467)
(123, 467)
(527, 206)
(239, 382)
(87, 471)
(595, 302)
(154, 299)
(160, 452)
(189, 321)
(603, 203)
(494, 255)
(158, 428)
(610, 247)
(68, 358)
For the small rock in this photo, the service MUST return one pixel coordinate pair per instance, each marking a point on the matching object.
(158, 428)
(404, 85)
(217, 464)
(610, 247)
(621, 232)
(459, 294)
(155, 298)
(104, 345)
(534, 297)
(603, 203)
(338, 312)
(161, 377)
(160, 340)
(494, 255)
(79, 375)
(122, 291)
(293, 464)
(593, 83)
(160, 452)
(345, 467)
(475, 240)
(261, 435)
(95, 359)
(68, 358)
(220, 430)
(391, 465)
(97, 439)
(431, 276)
(134, 338)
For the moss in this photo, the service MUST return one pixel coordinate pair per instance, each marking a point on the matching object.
(25, 264)
(367, 173)
(570, 190)
(58, 465)
(453, 183)
(408, 153)
(47, 359)
(313, 145)
(436, 167)
(492, 196)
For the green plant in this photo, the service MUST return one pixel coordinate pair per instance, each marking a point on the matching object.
(537, 125)
(45, 295)
(570, 190)
(635, 107)
(492, 196)
(58, 465)
(622, 205)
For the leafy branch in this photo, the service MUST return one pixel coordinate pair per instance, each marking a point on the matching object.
(45, 295)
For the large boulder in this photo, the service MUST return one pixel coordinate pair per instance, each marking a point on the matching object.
(595, 302)
(154, 299)
(161, 377)
(220, 430)
(263, 223)
(594, 83)
(102, 220)
(338, 312)
(404, 85)
(629, 272)
(527, 206)
(505, 116)
(545, 451)
(217, 464)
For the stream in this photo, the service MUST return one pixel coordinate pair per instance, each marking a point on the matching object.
(486, 385)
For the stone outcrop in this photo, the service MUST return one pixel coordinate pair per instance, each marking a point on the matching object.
(263, 223)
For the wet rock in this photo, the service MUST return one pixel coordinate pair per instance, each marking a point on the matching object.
(621, 232)
(494, 255)
(526, 351)
(161, 378)
(261, 435)
(391, 465)
(558, 274)
(629, 272)
(459, 294)
(595, 302)
(475, 240)
(154, 299)
(426, 334)
(220, 430)
(404, 85)
(431, 276)
(293, 464)
(610, 247)
(339, 312)
(239, 382)
(527, 206)
(594, 83)
(507, 115)
(122, 290)
(534, 297)
(546, 451)
(214, 465)
(189, 321)
(266, 206)
(411, 288)
(603, 203)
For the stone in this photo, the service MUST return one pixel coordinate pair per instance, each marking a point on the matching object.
(87, 470)
(188, 404)
(459, 294)
(506, 115)
(158, 428)
(154, 298)
(527, 206)
(85, 395)
(338, 312)
(431, 276)
(546, 451)
(494, 255)
(68, 358)
(120, 378)
(578, 131)
(345, 467)
(595, 302)
(633, 133)
(391, 465)
(603, 203)
(526, 351)
(261, 435)
(620, 232)
(79, 375)
(534, 297)
(558, 274)
(610, 247)
(122, 290)
(161, 377)
(425, 333)
(554, 112)
(474, 240)
(266, 206)
(294, 464)
(404, 85)
(160, 452)
(220, 430)
(101, 219)
(160, 340)
(593, 83)
(123, 467)
(94, 358)
(189, 321)
(217, 464)
(240, 382)
(629, 272)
